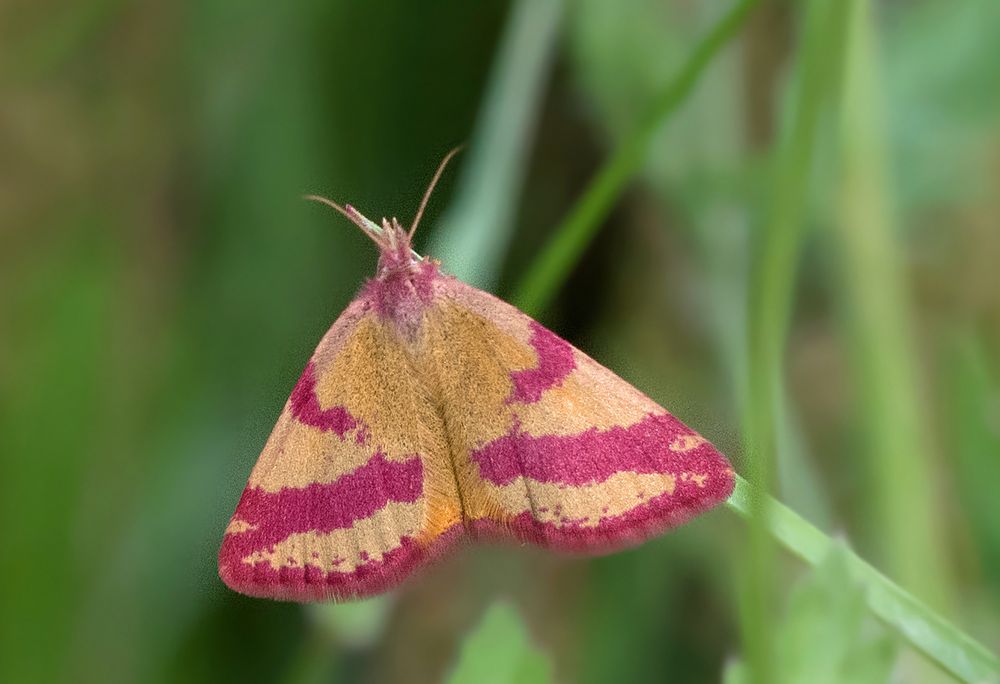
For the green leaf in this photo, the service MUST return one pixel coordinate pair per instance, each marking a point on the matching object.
(871, 662)
(824, 631)
(498, 651)
(357, 624)
(735, 673)
(826, 634)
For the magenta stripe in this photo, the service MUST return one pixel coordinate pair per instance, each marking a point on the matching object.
(555, 362)
(310, 583)
(306, 408)
(591, 456)
(613, 533)
(321, 507)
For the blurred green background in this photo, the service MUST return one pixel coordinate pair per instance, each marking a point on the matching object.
(795, 248)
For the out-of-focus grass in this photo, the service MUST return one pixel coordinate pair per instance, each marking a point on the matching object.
(973, 398)
(774, 264)
(474, 234)
(773, 282)
(550, 269)
(935, 637)
(826, 635)
(163, 285)
(77, 296)
(874, 297)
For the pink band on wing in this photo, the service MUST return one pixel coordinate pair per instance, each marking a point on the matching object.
(272, 516)
(306, 408)
(593, 456)
(611, 533)
(555, 362)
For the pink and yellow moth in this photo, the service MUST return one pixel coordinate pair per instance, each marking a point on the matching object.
(433, 411)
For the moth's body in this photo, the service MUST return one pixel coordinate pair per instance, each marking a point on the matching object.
(432, 410)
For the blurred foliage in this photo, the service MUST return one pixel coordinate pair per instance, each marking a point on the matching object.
(826, 634)
(162, 284)
(498, 652)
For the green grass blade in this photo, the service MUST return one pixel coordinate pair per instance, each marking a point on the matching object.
(473, 235)
(923, 628)
(824, 630)
(873, 287)
(777, 244)
(577, 230)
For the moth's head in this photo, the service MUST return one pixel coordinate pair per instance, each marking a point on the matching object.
(395, 252)
(394, 241)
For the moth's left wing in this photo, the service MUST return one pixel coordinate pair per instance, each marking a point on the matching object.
(352, 491)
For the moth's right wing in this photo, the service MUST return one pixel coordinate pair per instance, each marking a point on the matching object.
(551, 447)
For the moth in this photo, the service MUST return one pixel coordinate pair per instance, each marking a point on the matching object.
(432, 411)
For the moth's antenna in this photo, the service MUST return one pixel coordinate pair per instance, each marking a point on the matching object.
(352, 215)
(430, 189)
(389, 233)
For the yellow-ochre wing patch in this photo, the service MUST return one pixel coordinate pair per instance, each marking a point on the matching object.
(346, 497)
(551, 447)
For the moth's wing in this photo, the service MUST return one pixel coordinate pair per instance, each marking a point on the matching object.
(339, 503)
(551, 447)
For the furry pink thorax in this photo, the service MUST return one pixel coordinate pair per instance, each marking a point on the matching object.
(403, 283)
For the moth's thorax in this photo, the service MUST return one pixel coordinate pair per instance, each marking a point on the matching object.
(402, 289)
